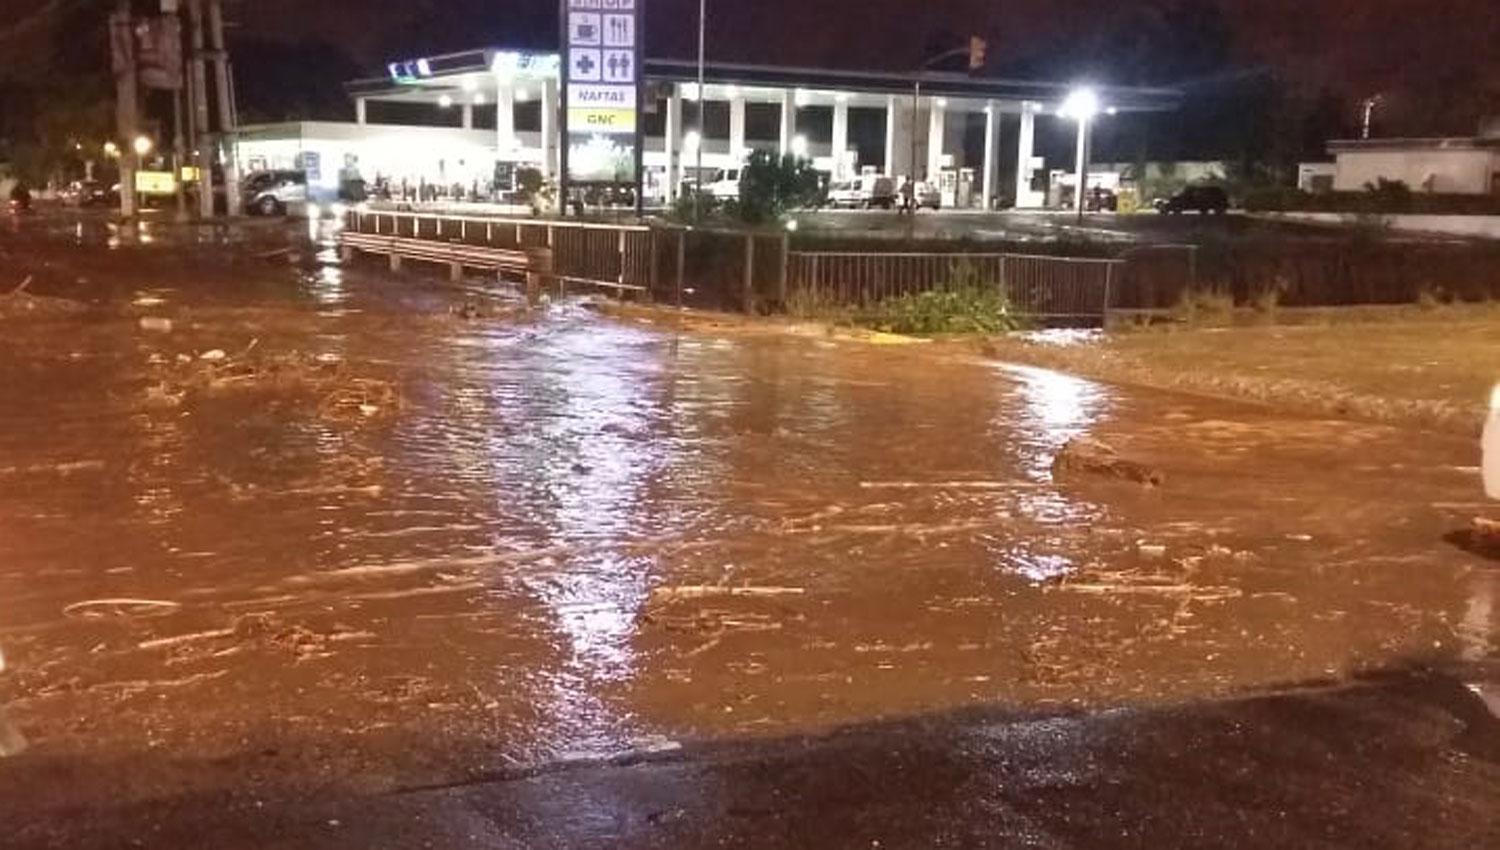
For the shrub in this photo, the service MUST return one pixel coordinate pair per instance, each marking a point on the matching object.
(772, 185)
(938, 311)
(1388, 196)
(692, 207)
(965, 303)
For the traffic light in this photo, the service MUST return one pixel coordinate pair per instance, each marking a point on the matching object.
(977, 47)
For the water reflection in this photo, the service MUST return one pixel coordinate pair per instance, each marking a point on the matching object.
(1054, 409)
(328, 285)
(1477, 629)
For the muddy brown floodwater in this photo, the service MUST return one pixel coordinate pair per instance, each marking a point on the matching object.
(379, 545)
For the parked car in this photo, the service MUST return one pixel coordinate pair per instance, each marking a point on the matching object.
(726, 184)
(1102, 200)
(1202, 199)
(720, 183)
(272, 192)
(846, 195)
(928, 195)
(91, 193)
(868, 191)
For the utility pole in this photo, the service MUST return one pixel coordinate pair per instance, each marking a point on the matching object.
(127, 105)
(198, 89)
(225, 89)
(179, 155)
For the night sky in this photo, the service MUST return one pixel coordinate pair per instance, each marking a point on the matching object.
(1370, 43)
(1257, 73)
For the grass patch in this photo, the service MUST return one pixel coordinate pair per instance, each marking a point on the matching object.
(1204, 306)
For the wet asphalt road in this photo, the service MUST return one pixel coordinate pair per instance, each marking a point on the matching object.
(1408, 760)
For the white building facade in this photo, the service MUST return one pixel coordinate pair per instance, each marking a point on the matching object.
(1457, 166)
(504, 113)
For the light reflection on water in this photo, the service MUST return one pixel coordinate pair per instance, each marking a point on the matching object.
(1054, 409)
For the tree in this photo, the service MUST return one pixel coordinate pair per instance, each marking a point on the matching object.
(771, 185)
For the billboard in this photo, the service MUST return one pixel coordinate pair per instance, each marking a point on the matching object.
(602, 90)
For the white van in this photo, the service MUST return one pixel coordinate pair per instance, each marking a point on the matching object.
(726, 184)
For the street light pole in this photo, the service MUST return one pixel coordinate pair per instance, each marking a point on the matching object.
(702, 125)
(1082, 104)
(1083, 165)
(1369, 105)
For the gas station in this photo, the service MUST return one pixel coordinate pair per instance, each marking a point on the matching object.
(485, 114)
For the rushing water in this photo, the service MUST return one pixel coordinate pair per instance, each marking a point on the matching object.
(575, 534)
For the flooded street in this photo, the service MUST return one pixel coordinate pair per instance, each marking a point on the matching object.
(327, 532)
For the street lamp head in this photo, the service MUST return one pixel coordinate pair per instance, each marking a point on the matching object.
(799, 146)
(691, 140)
(142, 145)
(111, 149)
(444, 102)
(1082, 104)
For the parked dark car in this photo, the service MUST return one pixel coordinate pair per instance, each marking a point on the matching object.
(91, 193)
(1202, 199)
(1101, 200)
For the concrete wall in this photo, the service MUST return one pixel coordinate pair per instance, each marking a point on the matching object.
(1473, 226)
(1460, 171)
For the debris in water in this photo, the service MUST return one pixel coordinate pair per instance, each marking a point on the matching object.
(18, 302)
(655, 744)
(65, 468)
(706, 591)
(1092, 457)
(156, 324)
(946, 485)
(1151, 551)
(12, 742)
(121, 608)
(1481, 538)
(360, 398)
(160, 397)
(214, 356)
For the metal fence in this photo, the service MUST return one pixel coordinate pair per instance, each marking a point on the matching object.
(753, 271)
(1043, 287)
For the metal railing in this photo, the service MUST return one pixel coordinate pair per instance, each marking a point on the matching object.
(755, 271)
(612, 256)
(1036, 285)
